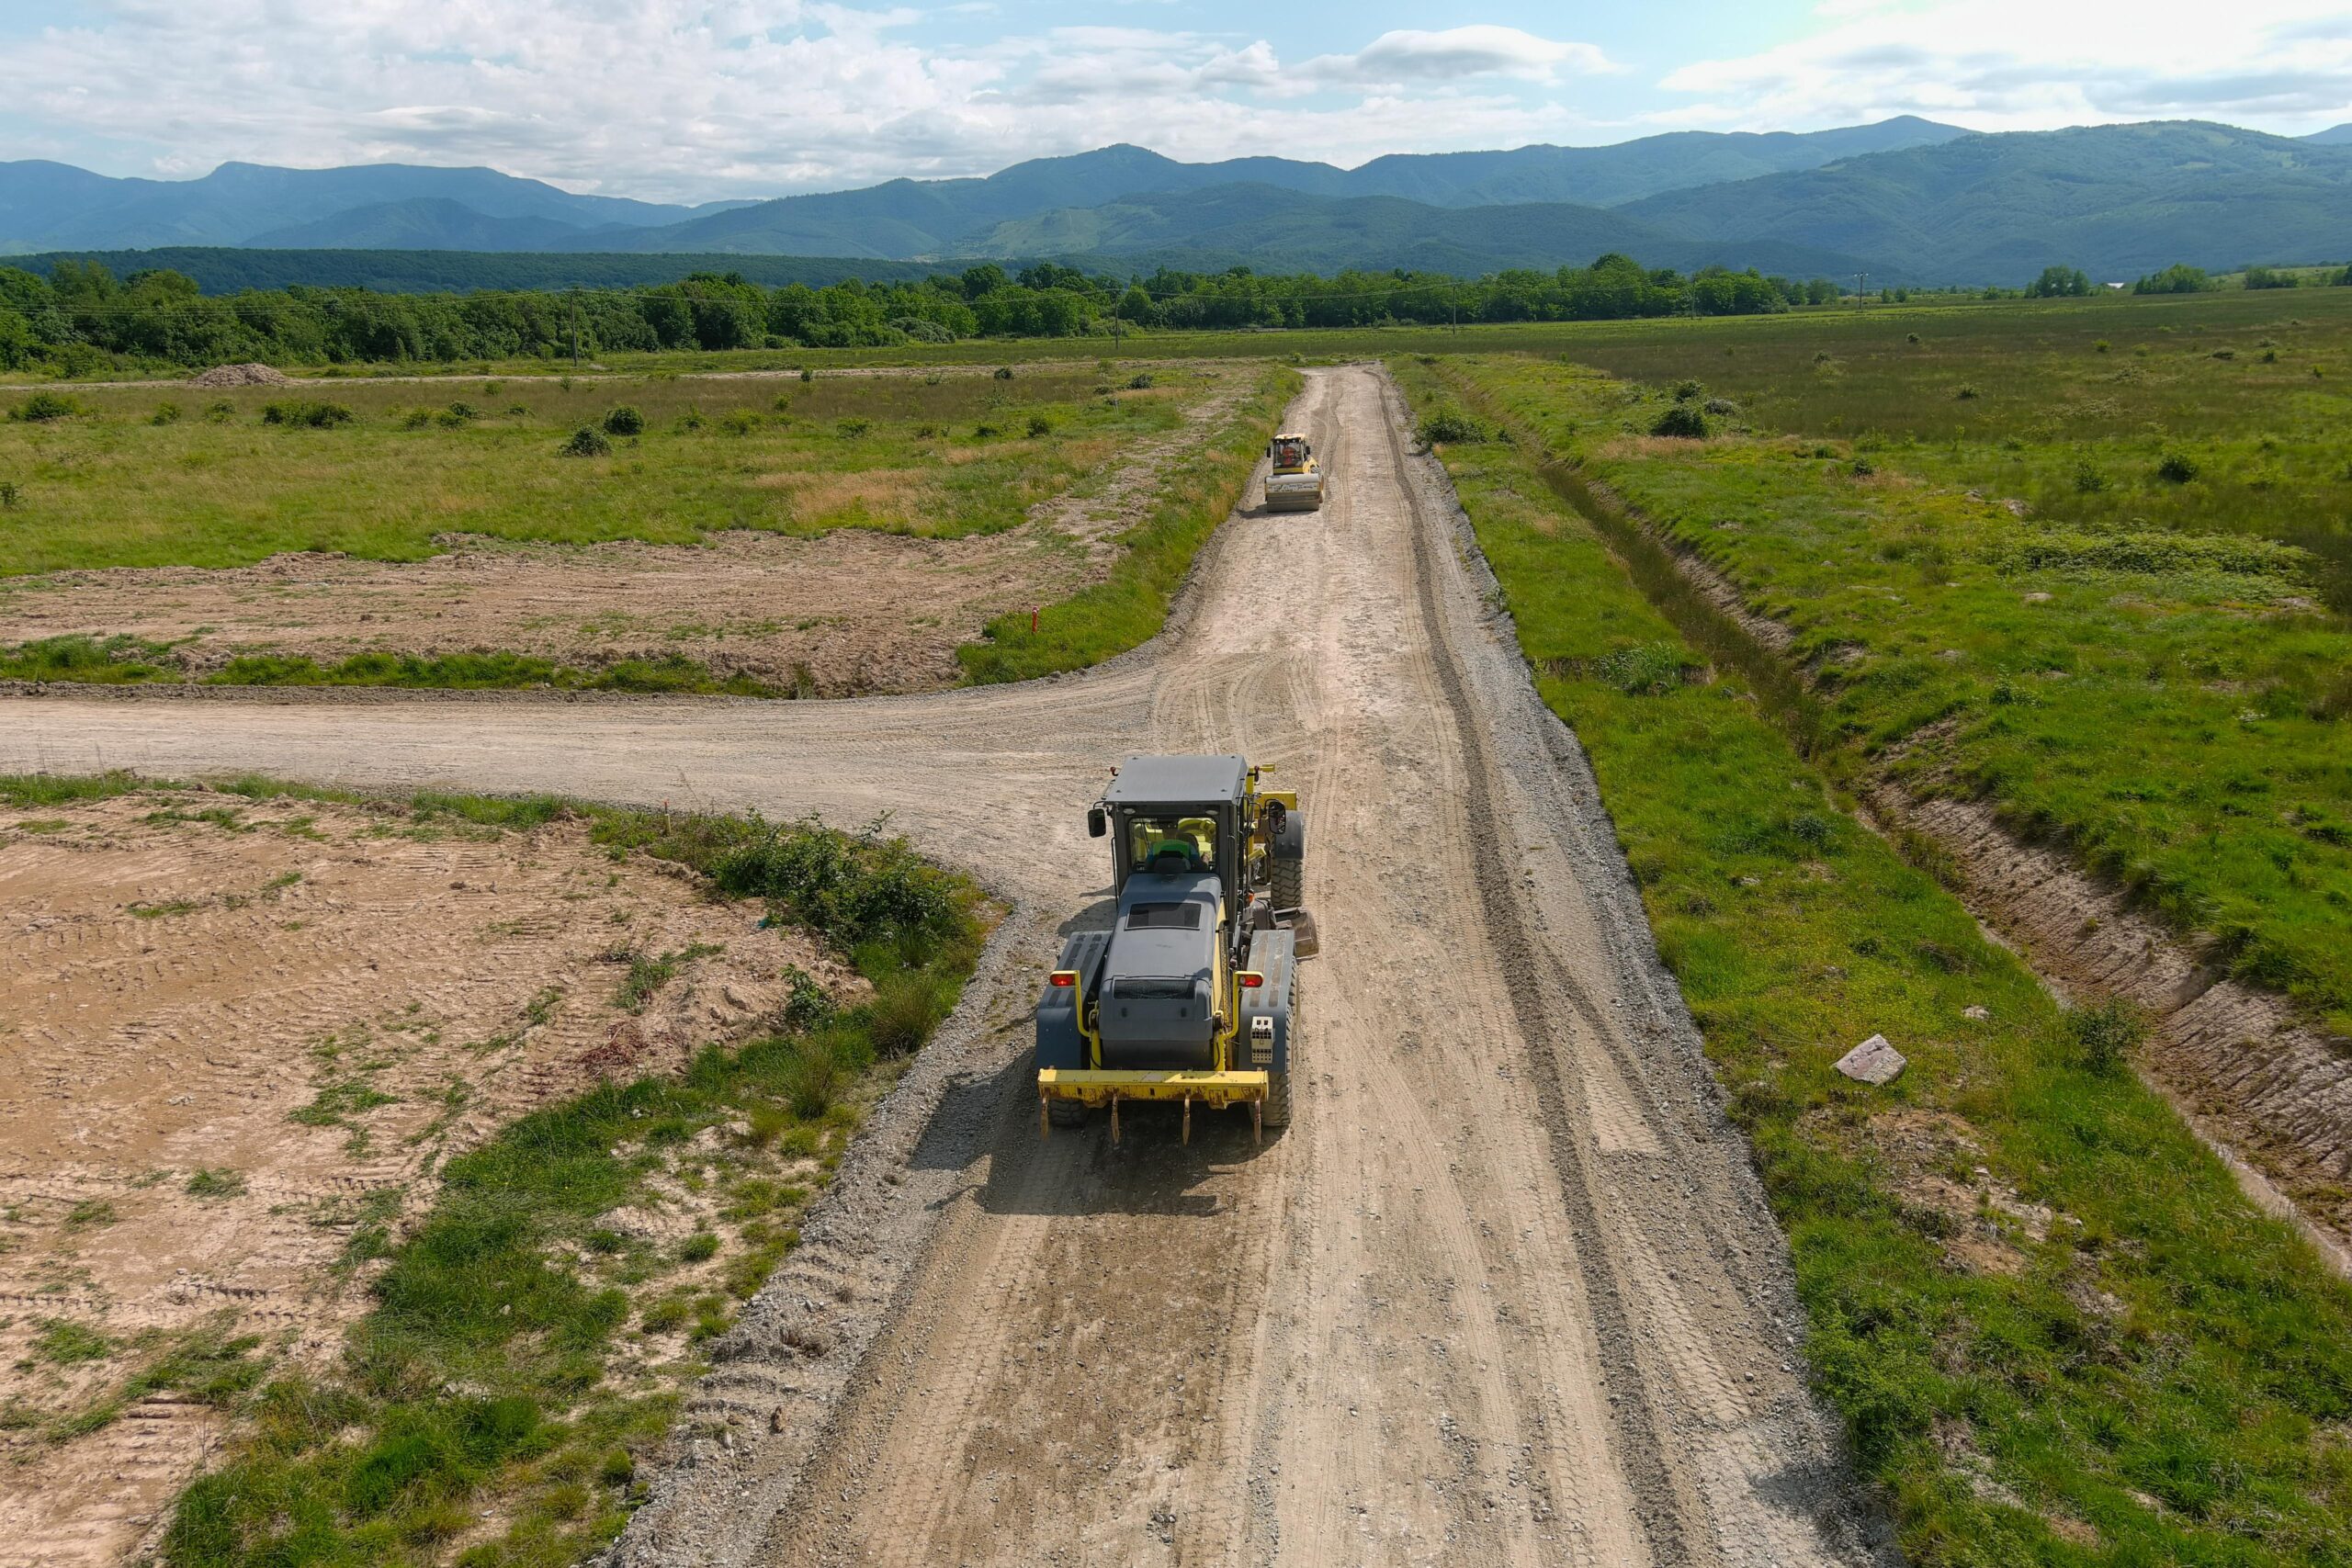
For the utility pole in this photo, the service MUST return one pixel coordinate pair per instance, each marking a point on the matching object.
(1862, 283)
(575, 328)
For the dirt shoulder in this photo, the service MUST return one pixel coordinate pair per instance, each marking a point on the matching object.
(234, 1034)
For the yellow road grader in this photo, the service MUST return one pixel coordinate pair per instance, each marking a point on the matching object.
(1189, 996)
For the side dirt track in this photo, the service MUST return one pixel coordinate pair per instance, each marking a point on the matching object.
(1507, 1291)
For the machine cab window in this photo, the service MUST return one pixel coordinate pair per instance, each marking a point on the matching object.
(1170, 845)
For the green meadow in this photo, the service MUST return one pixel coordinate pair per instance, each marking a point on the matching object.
(2056, 1331)
(179, 476)
(2112, 609)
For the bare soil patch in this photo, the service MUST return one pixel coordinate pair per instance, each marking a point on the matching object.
(848, 614)
(233, 1033)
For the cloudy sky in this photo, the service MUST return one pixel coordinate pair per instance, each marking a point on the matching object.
(683, 100)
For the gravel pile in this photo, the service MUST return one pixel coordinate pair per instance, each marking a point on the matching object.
(240, 376)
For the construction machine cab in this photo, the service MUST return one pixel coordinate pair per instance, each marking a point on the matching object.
(1187, 995)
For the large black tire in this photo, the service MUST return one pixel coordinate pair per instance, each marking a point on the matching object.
(1275, 1111)
(1289, 883)
(1066, 1112)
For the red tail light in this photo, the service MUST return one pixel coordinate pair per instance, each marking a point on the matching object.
(1066, 979)
(1251, 979)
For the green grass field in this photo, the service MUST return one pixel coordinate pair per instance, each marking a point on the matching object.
(216, 483)
(2070, 406)
(2057, 1332)
(2144, 673)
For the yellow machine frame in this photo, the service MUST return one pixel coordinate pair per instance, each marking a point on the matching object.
(1219, 1087)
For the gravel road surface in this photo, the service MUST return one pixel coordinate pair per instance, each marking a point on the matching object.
(1505, 1292)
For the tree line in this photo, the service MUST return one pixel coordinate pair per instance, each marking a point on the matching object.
(82, 318)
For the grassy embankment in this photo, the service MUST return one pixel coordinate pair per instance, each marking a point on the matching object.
(2143, 667)
(2056, 1331)
(497, 1376)
(103, 483)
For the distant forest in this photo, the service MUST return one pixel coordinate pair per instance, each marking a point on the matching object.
(83, 317)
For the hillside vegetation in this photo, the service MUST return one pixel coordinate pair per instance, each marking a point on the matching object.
(1910, 201)
(2118, 199)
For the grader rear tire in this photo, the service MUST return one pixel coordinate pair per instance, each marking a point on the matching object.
(1066, 1112)
(1275, 1111)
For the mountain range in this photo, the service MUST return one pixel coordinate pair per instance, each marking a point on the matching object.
(1906, 199)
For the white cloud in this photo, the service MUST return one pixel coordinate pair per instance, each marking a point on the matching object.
(1460, 53)
(2029, 65)
(689, 99)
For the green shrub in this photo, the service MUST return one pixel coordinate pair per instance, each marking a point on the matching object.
(739, 421)
(586, 442)
(305, 413)
(853, 888)
(850, 429)
(1682, 421)
(906, 1007)
(1139, 381)
(624, 420)
(812, 1078)
(2177, 467)
(805, 1005)
(1450, 425)
(1688, 391)
(2104, 1034)
(42, 407)
(165, 413)
(9, 495)
(1965, 394)
(699, 1247)
(1039, 425)
(1004, 372)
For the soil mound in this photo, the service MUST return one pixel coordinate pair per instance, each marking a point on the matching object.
(240, 376)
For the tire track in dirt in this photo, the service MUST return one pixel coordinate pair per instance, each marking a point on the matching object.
(1405, 1331)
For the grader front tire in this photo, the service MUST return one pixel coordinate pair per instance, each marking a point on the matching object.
(1289, 885)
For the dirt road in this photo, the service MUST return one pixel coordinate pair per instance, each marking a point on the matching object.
(1505, 1292)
